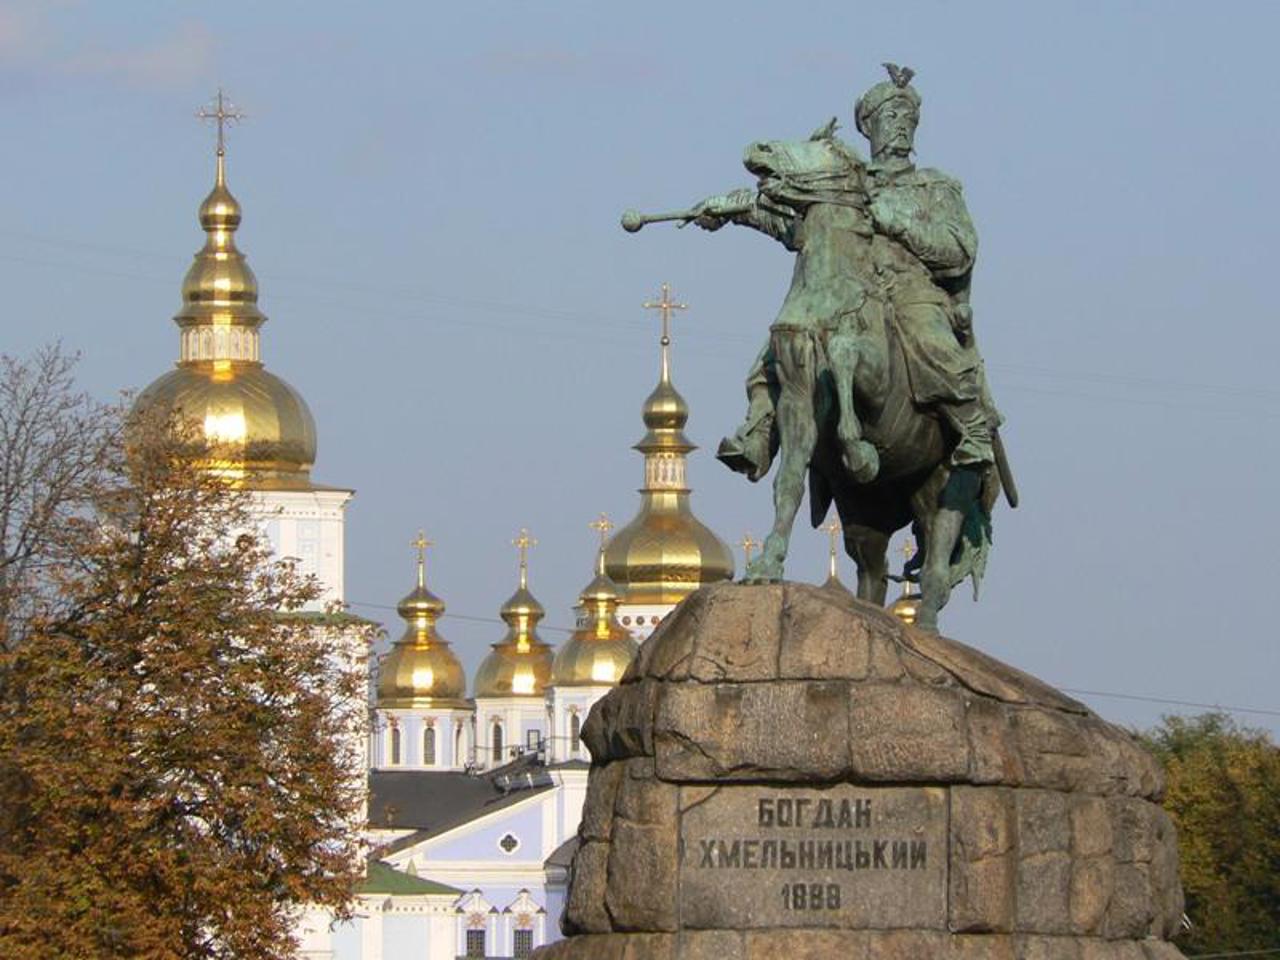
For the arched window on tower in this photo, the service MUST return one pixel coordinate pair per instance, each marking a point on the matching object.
(458, 758)
(395, 746)
(429, 746)
(496, 740)
(575, 732)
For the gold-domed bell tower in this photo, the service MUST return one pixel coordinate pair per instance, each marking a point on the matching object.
(665, 552)
(511, 684)
(424, 719)
(592, 661)
(260, 429)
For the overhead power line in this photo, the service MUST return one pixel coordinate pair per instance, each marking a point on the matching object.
(1179, 703)
(1142, 698)
(589, 324)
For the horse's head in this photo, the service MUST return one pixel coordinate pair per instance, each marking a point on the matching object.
(821, 165)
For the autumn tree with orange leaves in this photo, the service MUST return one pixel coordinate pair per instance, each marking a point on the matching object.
(177, 755)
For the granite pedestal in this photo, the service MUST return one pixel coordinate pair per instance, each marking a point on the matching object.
(786, 773)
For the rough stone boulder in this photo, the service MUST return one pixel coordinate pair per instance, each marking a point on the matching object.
(787, 771)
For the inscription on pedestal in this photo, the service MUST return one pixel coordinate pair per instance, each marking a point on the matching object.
(854, 857)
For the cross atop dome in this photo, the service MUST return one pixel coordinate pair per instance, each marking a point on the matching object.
(522, 543)
(665, 305)
(833, 531)
(602, 525)
(422, 543)
(221, 111)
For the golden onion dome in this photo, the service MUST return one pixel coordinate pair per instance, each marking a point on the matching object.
(907, 607)
(522, 605)
(600, 649)
(665, 552)
(665, 413)
(261, 426)
(262, 420)
(421, 669)
(518, 665)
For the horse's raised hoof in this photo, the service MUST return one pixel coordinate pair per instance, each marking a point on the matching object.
(862, 460)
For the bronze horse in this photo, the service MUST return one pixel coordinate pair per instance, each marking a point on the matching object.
(843, 414)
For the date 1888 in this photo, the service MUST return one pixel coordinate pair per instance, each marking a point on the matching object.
(811, 896)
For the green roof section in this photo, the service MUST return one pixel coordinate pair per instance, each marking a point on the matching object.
(386, 879)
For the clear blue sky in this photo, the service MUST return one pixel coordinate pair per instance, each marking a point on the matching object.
(431, 197)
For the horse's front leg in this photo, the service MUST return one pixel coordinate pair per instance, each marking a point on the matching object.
(852, 356)
(798, 435)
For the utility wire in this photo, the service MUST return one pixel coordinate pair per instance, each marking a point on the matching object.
(592, 321)
(1228, 708)
(1179, 703)
(458, 616)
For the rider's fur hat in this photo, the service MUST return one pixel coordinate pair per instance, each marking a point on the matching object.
(898, 86)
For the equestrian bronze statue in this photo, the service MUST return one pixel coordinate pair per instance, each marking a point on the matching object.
(870, 385)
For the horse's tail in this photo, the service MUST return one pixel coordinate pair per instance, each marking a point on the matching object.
(973, 546)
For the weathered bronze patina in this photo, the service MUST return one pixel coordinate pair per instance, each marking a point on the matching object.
(871, 383)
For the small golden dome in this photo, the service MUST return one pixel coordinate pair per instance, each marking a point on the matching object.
(421, 669)
(907, 607)
(599, 651)
(420, 602)
(220, 210)
(519, 664)
(520, 604)
(666, 410)
(263, 430)
(220, 288)
(665, 552)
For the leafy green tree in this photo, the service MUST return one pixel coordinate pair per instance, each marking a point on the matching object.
(177, 759)
(1224, 797)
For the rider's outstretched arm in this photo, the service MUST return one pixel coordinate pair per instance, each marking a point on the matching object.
(747, 208)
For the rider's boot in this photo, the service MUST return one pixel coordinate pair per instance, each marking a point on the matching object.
(972, 427)
(750, 450)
